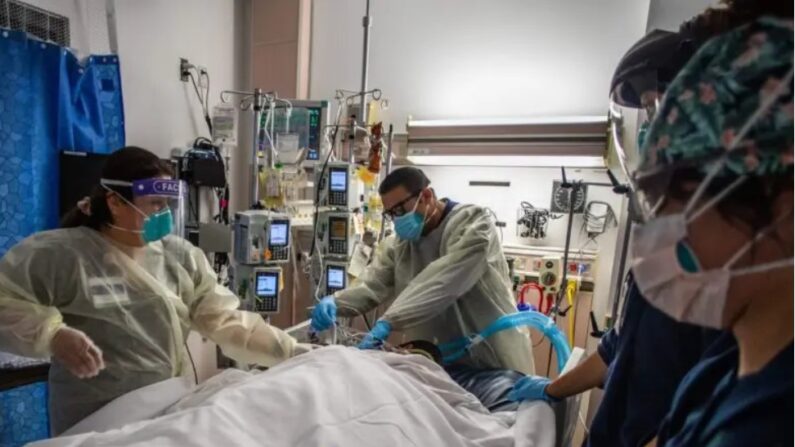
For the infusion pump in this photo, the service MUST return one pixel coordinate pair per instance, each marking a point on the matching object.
(265, 285)
(335, 233)
(262, 237)
(259, 287)
(337, 187)
(335, 277)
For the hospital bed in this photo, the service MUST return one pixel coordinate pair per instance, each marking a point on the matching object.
(331, 396)
(566, 412)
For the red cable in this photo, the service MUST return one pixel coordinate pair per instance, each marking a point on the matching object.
(530, 285)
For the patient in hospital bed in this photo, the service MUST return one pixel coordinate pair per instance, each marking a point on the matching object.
(330, 396)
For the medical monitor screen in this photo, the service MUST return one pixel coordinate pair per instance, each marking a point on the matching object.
(336, 278)
(278, 236)
(267, 282)
(315, 133)
(338, 228)
(339, 180)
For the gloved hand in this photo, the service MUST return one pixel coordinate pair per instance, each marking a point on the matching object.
(77, 353)
(324, 314)
(531, 388)
(376, 336)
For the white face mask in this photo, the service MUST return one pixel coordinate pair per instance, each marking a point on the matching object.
(669, 276)
(668, 273)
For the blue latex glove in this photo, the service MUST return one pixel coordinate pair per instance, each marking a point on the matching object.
(531, 388)
(376, 336)
(324, 315)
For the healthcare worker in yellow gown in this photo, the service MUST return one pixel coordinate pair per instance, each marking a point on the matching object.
(111, 298)
(445, 272)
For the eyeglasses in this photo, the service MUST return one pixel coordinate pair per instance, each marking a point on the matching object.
(398, 209)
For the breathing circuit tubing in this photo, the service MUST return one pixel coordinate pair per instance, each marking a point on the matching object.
(456, 349)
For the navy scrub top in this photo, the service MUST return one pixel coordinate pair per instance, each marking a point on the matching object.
(714, 408)
(647, 357)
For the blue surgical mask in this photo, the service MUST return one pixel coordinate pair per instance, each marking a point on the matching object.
(410, 225)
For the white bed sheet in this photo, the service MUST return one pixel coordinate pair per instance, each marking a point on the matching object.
(332, 397)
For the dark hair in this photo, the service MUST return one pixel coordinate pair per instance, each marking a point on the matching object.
(750, 203)
(127, 164)
(413, 179)
(714, 21)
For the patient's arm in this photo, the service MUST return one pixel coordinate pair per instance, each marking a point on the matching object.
(588, 374)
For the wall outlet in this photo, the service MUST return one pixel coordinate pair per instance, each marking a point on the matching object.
(203, 79)
(184, 69)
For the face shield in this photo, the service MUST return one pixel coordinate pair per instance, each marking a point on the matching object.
(638, 82)
(160, 201)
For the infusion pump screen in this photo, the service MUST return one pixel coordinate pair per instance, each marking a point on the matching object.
(278, 236)
(339, 180)
(266, 285)
(339, 229)
(336, 278)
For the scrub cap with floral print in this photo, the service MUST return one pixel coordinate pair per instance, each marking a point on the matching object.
(740, 77)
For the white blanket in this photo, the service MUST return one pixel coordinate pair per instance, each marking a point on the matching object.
(332, 397)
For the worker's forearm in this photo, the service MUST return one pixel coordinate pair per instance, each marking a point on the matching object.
(588, 374)
(355, 301)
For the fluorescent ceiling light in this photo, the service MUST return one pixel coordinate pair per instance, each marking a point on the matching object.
(509, 121)
(573, 141)
(509, 160)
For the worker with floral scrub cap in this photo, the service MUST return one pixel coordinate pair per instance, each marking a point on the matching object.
(111, 298)
(716, 184)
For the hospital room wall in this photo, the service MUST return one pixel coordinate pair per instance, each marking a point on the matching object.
(669, 14)
(160, 111)
(473, 59)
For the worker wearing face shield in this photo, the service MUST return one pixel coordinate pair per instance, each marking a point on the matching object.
(111, 299)
(444, 272)
(642, 360)
(715, 249)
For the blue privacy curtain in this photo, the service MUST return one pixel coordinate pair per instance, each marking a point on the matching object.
(49, 102)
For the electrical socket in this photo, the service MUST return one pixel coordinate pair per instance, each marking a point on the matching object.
(202, 79)
(184, 69)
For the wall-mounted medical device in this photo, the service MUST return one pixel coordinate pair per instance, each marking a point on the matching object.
(335, 234)
(262, 237)
(551, 273)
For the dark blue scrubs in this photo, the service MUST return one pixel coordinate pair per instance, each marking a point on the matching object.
(714, 408)
(448, 206)
(647, 357)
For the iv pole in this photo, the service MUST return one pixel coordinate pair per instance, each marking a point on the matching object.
(573, 187)
(366, 23)
(257, 101)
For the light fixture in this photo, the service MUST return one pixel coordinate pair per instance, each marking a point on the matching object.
(546, 142)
